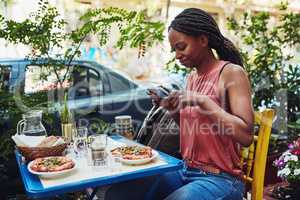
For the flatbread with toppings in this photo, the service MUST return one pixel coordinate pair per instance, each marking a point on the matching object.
(133, 152)
(52, 164)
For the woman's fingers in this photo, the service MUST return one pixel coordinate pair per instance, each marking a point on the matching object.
(190, 99)
(165, 104)
(170, 102)
(155, 99)
(174, 102)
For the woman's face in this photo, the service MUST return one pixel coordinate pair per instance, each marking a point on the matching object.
(189, 50)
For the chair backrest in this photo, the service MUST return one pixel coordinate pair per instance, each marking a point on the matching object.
(255, 156)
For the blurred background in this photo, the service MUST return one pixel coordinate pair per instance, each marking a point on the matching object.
(152, 65)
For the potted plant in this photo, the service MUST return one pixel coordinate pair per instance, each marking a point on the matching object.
(288, 165)
(66, 120)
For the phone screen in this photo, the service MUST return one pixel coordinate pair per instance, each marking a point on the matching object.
(157, 92)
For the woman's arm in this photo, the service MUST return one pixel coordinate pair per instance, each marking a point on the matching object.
(238, 88)
(171, 104)
(239, 122)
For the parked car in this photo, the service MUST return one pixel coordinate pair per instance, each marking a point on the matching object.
(94, 91)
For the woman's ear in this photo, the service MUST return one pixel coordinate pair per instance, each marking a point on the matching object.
(203, 40)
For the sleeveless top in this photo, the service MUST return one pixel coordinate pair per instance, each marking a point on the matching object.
(201, 140)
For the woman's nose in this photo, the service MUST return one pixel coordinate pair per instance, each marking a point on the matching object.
(178, 55)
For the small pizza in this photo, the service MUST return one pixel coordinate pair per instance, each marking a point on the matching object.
(133, 152)
(52, 164)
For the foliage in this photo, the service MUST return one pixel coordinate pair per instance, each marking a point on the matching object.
(6, 1)
(99, 126)
(44, 32)
(173, 67)
(294, 128)
(277, 144)
(263, 49)
(65, 115)
(10, 114)
(134, 29)
(288, 163)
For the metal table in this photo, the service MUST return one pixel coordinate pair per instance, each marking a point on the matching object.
(35, 189)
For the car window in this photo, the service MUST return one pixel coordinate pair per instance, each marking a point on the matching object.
(86, 82)
(105, 81)
(41, 78)
(118, 83)
(81, 81)
(5, 74)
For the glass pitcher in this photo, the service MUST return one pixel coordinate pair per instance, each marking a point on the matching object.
(31, 124)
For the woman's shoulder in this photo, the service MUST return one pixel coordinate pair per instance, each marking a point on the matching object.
(233, 72)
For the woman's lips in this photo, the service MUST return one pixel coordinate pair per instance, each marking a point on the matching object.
(183, 61)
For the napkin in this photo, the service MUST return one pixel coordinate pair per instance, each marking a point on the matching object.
(27, 141)
(59, 142)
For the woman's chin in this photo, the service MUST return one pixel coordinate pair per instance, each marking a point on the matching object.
(187, 65)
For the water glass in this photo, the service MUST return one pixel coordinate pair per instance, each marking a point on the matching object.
(98, 150)
(115, 163)
(80, 141)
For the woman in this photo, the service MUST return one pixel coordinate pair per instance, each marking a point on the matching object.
(215, 112)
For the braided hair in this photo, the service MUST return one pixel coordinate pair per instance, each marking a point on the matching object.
(195, 22)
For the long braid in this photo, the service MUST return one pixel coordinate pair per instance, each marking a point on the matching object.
(195, 22)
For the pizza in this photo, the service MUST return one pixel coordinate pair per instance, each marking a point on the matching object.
(133, 152)
(52, 164)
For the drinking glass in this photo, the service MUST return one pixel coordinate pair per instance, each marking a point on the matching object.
(80, 141)
(115, 162)
(98, 150)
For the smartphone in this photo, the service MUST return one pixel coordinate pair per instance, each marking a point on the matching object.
(157, 92)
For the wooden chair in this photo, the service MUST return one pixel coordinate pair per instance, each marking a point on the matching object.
(254, 157)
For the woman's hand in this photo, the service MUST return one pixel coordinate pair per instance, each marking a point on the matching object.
(171, 102)
(155, 98)
(177, 100)
(190, 98)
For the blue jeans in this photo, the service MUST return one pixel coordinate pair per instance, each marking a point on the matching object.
(185, 184)
(196, 184)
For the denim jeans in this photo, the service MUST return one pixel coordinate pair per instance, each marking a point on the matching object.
(195, 184)
(186, 184)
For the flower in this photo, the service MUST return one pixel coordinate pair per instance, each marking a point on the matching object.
(290, 157)
(297, 172)
(288, 163)
(290, 146)
(284, 172)
(296, 152)
(279, 163)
